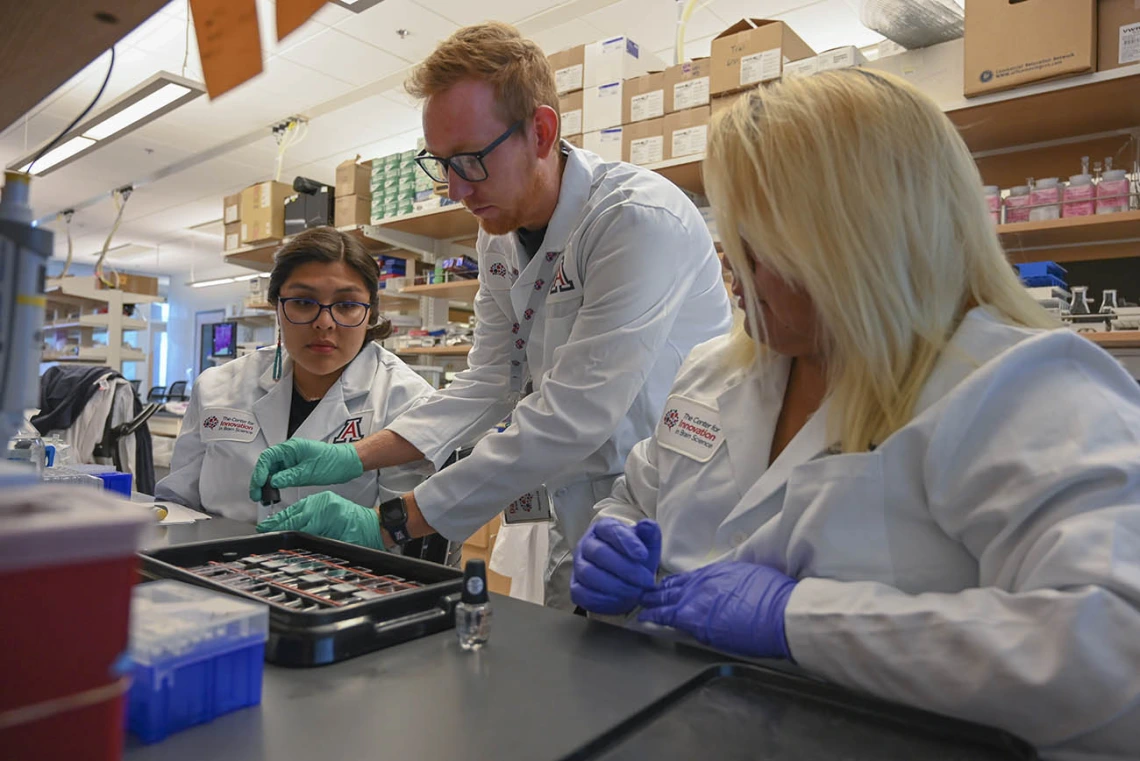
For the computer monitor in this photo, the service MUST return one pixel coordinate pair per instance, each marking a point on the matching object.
(225, 339)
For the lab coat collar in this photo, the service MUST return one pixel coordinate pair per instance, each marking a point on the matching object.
(577, 179)
(272, 409)
(749, 407)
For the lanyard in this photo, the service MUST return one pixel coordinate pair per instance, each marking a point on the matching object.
(521, 330)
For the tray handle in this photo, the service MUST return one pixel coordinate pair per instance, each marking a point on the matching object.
(424, 617)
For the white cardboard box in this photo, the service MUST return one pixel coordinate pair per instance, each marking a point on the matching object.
(601, 107)
(936, 70)
(845, 57)
(802, 68)
(616, 58)
(607, 143)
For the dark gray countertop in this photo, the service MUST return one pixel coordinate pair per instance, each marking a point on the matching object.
(547, 683)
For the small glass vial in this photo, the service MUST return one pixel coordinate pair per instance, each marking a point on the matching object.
(1080, 302)
(1108, 301)
(473, 613)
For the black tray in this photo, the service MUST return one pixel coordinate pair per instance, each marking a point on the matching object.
(328, 634)
(735, 711)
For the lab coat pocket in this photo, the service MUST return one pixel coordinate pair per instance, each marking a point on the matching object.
(558, 309)
(835, 507)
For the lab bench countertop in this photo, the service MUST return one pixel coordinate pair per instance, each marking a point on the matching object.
(545, 685)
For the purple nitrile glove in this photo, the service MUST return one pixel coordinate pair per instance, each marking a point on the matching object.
(614, 565)
(732, 606)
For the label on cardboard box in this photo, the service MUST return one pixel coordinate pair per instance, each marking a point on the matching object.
(568, 79)
(1129, 43)
(803, 68)
(244, 231)
(610, 135)
(232, 212)
(647, 150)
(650, 105)
(232, 241)
(691, 94)
(572, 122)
(760, 67)
(689, 141)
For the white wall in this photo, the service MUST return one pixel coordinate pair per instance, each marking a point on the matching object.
(185, 302)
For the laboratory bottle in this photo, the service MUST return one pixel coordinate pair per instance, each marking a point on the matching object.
(1044, 200)
(1017, 204)
(1108, 301)
(473, 612)
(1080, 303)
(1112, 193)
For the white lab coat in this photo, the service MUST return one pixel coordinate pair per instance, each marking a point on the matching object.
(237, 411)
(640, 286)
(982, 562)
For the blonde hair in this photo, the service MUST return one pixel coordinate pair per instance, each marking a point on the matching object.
(856, 189)
(491, 52)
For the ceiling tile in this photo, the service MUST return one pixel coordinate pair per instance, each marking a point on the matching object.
(377, 26)
(464, 12)
(331, 15)
(698, 48)
(332, 136)
(346, 58)
(292, 87)
(267, 23)
(652, 23)
(577, 32)
(731, 11)
(829, 24)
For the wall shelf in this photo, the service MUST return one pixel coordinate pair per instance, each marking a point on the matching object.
(1119, 339)
(458, 290)
(260, 256)
(1101, 228)
(437, 351)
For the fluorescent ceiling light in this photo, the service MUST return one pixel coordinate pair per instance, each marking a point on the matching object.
(155, 97)
(63, 152)
(254, 276)
(137, 112)
(208, 283)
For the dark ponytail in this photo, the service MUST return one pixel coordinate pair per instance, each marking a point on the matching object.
(328, 244)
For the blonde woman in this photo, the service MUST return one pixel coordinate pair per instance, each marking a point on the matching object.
(897, 472)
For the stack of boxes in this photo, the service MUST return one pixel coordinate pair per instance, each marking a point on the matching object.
(393, 185)
(666, 114)
(353, 193)
(749, 53)
(592, 78)
(261, 215)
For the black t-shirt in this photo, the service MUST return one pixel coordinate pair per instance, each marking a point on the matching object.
(531, 241)
(299, 411)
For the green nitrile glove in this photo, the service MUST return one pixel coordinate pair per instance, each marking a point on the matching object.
(300, 462)
(329, 515)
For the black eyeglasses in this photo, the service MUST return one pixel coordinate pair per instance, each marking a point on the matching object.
(469, 166)
(301, 311)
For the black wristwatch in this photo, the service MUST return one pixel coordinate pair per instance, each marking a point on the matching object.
(394, 519)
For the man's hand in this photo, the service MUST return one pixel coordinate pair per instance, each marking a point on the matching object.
(299, 462)
(330, 515)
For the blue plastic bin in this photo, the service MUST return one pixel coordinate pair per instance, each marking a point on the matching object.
(113, 481)
(199, 654)
(1037, 269)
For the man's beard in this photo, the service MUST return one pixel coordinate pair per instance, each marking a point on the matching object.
(510, 220)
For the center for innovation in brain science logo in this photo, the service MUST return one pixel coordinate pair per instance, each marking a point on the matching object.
(210, 422)
(671, 418)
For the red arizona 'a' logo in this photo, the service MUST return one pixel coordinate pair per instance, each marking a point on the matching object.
(350, 431)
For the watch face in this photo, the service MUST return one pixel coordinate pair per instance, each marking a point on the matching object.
(393, 511)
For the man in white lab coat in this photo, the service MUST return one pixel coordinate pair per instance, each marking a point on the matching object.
(596, 280)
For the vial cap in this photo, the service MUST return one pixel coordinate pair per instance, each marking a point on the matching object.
(475, 582)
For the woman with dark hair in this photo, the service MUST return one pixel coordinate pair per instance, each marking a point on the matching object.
(327, 379)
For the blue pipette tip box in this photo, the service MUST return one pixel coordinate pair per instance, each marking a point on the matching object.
(198, 654)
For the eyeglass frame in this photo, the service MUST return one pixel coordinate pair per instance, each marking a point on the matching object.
(283, 300)
(478, 156)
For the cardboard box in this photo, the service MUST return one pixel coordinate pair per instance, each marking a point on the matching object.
(687, 85)
(568, 68)
(643, 98)
(570, 111)
(607, 143)
(616, 59)
(353, 179)
(1013, 44)
(574, 140)
(687, 132)
(263, 211)
(723, 102)
(935, 70)
(752, 51)
(644, 142)
(144, 284)
(231, 209)
(1118, 33)
(804, 67)
(232, 236)
(601, 106)
(846, 57)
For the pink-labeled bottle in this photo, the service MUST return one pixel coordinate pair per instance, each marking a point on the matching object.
(1079, 196)
(1112, 193)
(1017, 204)
(1045, 200)
(993, 202)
